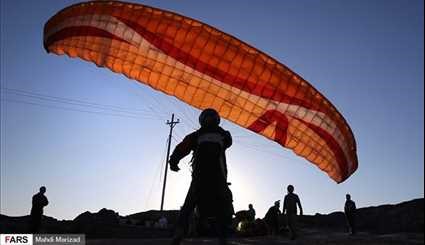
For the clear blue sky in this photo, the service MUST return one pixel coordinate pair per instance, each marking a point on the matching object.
(108, 148)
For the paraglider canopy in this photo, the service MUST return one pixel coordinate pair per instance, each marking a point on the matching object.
(206, 68)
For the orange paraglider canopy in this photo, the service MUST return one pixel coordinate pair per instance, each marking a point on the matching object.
(205, 67)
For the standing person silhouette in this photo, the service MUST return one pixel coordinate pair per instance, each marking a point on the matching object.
(290, 208)
(350, 214)
(39, 201)
(251, 213)
(209, 190)
(272, 219)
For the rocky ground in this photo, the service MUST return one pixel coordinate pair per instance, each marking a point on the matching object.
(309, 238)
(399, 224)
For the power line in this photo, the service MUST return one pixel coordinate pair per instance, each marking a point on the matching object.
(174, 105)
(157, 172)
(81, 103)
(151, 113)
(262, 149)
(76, 110)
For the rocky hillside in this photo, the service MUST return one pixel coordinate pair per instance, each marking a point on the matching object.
(406, 217)
(385, 219)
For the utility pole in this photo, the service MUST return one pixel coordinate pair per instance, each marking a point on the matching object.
(171, 123)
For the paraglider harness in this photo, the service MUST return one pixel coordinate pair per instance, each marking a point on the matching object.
(205, 208)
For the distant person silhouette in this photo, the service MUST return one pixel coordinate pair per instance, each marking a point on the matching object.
(290, 209)
(209, 190)
(272, 219)
(39, 201)
(251, 213)
(350, 214)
